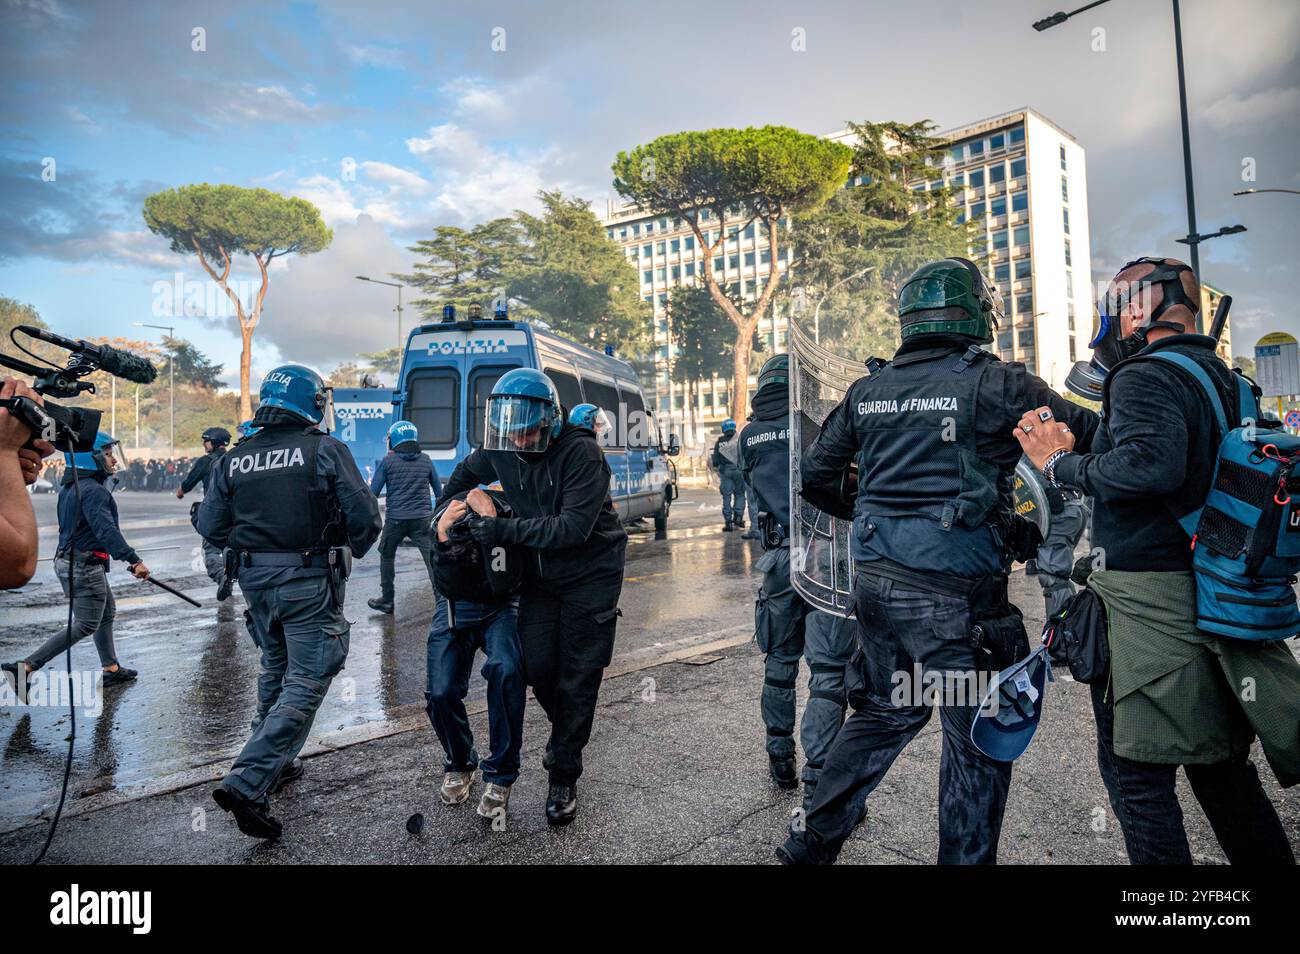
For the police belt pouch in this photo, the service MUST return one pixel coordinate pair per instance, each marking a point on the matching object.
(997, 626)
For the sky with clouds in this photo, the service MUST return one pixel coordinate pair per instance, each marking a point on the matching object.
(395, 117)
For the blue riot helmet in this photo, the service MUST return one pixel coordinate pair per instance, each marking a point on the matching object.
(728, 426)
(403, 432)
(93, 460)
(247, 429)
(591, 417)
(1011, 708)
(523, 413)
(295, 388)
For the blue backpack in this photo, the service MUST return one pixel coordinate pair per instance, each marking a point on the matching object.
(1246, 536)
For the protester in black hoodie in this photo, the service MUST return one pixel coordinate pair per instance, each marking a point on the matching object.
(556, 480)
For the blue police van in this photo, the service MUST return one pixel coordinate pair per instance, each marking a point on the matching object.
(362, 417)
(449, 368)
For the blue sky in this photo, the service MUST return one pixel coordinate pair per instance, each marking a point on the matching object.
(442, 126)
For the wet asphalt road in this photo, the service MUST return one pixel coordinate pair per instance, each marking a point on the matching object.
(195, 696)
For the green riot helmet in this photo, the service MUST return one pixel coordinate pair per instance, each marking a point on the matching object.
(951, 297)
(775, 370)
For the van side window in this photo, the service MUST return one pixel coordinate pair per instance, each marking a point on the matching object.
(638, 426)
(605, 397)
(481, 382)
(434, 407)
(567, 386)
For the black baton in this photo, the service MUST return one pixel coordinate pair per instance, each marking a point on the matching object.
(175, 592)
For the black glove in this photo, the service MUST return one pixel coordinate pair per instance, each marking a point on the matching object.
(486, 530)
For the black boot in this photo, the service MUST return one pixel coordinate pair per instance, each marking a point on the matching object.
(379, 603)
(740, 522)
(561, 804)
(784, 773)
(728, 527)
(253, 818)
(290, 773)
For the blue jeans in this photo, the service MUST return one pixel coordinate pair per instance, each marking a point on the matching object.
(494, 629)
(732, 487)
(899, 629)
(303, 637)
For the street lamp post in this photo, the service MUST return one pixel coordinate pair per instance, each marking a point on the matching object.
(1193, 239)
(398, 309)
(171, 381)
(1254, 191)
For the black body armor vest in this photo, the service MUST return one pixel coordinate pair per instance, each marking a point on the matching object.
(275, 499)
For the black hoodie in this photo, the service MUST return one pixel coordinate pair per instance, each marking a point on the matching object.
(563, 512)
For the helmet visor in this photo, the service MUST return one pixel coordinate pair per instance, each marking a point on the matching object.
(519, 424)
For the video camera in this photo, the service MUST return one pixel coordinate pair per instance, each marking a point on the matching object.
(53, 422)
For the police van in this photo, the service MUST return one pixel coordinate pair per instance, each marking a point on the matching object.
(362, 417)
(449, 369)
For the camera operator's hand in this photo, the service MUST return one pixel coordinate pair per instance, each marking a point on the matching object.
(140, 571)
(13, 432)
(455, 510)
(180, 494)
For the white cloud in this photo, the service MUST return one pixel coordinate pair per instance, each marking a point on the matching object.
(373, 55)
(396, 177)
(1261, 107)
(476, 101)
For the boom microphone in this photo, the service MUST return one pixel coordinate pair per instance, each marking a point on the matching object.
(121, 364)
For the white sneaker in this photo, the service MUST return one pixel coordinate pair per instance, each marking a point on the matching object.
(495, 800)
(455, 787)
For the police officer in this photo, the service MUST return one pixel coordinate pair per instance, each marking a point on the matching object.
(410, 477)
(785, 626)
(286, 504)
(725, 460)
(215, 441)
(556, 481)
(88, 536)
(930, 434)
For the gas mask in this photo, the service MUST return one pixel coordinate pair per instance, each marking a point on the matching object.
(1109, 349)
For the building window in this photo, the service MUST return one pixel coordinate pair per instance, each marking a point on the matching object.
(1073, 355)
(1067, 252)
(1069, 284)
(717, 264)
(1022, 269)
(1025, 337)
(690, 242)
(1020, 201)
(998, 206)
(977, 179)
(749, 259)
(1062, 157)
(977, 210)
(645, 251)
(957, 181)
(1000, 239)
(1065, 219)
(1004, 341)
(977, 147)
(649, 227)
(734, 263)
(661, 275)
(998, 141)
(1069, 318)
(1017, 135)
(1002, 273)
(749, 231)
(1024, 306)
(998, 173)
(1065, 190)
(646, 276)
(958, 154)
(676, 272)
(675, 245)
(659, 248)
(1018, 168)
(690, 269)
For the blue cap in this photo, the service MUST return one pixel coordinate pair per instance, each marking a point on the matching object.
(401, 432)
(728, 425)
(295, 388)
(1009, 712)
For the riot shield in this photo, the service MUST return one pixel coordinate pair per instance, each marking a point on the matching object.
(821, 568)
(1030, 496)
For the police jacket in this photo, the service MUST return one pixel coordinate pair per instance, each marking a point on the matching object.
(765, 451)
(1154, 456)
(409, 476)
(931, 434)
(93, 526)
(467, 571)
(563, 512)
(719, 461)
(289, 489)
(202, 471)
